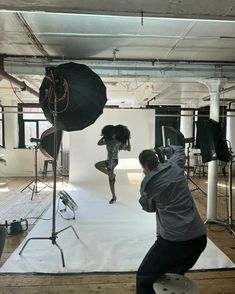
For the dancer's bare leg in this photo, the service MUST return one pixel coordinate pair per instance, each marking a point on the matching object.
(102, 166)
(112, 181)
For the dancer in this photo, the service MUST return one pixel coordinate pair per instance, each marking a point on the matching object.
(181, 234)
(115, 138)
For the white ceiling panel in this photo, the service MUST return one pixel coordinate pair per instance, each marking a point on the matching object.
(96, 24)
(9, 23)
(103, 47)
(213, 29)
(93, 36)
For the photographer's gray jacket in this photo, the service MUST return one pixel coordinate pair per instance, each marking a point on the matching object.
(165, 191)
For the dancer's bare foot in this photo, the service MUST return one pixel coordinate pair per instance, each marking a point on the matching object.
(113, 200)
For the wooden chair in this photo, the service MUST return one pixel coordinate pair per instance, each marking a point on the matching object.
(45, 167)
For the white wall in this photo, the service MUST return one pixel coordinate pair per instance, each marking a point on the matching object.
(84, 151)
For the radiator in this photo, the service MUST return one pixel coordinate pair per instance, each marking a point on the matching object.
(65, 163)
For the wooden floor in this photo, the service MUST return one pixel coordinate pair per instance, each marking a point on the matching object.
(209, 282)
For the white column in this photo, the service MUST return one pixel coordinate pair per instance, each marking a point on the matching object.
(230, 130)
(213, 86)
(186, 123)
(186, 128)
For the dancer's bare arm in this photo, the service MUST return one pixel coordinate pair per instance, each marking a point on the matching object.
(101, 141)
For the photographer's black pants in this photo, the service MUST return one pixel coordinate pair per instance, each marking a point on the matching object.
(167, 257)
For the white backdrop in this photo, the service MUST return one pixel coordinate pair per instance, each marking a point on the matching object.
(84, 151)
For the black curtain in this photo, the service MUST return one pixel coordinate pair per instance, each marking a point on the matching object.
(204, 114)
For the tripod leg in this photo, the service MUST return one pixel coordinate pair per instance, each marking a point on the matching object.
(33, 191)
(231, 230)
(197, 187)
(27, 186)
(61, 252)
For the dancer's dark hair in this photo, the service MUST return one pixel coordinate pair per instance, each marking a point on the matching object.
(108, 132)
(122, 133)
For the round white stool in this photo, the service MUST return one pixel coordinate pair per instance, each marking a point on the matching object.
(174, 284)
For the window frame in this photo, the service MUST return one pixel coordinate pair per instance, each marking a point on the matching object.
(22, 121)
(3, 128)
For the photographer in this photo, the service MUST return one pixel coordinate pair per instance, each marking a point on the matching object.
(181, 234)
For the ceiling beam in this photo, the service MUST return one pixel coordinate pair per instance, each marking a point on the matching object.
(208, 9)
(131, 69)
(222, 91)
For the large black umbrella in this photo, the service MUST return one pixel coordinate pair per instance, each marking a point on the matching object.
(80, 96)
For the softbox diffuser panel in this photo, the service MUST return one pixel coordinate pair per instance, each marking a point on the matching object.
(172, 136)
(80, 93)
(47, 142)
(212, 141)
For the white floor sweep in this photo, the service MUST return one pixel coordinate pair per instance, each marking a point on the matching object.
(113, 238)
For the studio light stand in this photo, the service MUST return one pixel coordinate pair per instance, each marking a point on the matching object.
(229, 225)
(36, 180)
(188, 141)
(54, 233)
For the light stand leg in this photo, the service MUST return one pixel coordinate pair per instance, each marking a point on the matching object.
(69, 228)
(61, 253)
(231, 226)
(197, 187)
(230, 207)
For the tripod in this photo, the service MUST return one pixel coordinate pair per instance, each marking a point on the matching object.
(35, 181)
(54, 233)
(62, 170)
(188, 177)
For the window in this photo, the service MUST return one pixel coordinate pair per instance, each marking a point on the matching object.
(32, 123)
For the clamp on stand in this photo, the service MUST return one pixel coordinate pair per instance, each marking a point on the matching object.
(54, 233)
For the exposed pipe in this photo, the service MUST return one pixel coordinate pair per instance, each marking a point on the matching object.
(18, 83)
(31, 34)
(151, 60)
(15, 81)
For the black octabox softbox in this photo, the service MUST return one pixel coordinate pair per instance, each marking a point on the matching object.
(80, 96)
